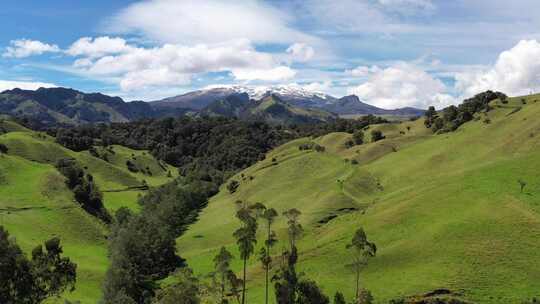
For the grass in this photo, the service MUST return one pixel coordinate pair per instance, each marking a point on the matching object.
(35, 204)
(445, 210)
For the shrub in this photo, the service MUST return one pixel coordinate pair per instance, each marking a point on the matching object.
(3, 149)
(376, 135)
(233, 186)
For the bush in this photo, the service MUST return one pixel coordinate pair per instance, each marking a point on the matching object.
(233, 186)
(376, 135)
(358, 137)
(3, 149)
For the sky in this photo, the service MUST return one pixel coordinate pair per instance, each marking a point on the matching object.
(390, 53)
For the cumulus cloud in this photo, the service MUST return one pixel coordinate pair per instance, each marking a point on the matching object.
(25, 85)
(100, 46)
(211, 21)
(516, 72)
(173, 64)
(279, 73)
(401, 85)
(22, 48)
(300, 52)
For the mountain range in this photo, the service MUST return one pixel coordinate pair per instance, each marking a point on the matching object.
(278, 104)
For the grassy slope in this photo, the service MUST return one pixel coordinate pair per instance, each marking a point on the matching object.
(445, 210)
(35, 205)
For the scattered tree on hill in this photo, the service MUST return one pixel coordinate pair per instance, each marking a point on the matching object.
(453, 117)
(522, 185)
(376, 135)
(246, 238)
(362, 250)
(365, 297)
(358, 137)
(268, 216)
(47, 274)
(222, 264)
(3, 149)
(295, 229)
(232, 186)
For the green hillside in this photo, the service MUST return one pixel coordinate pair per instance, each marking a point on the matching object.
(36, 205)
(445, 210)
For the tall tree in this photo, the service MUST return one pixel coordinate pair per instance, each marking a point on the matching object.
(246, 238)
(294, 229)
(362, 250)
(268, 216)
(222, 263)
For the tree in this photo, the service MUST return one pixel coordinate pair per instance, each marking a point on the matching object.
(310, 293)
(184, 291)
(522, 185)
(232, 186)
(358, 137)
(32, 281)
(361, 249)
(295, 229)
(246, 238)
(222, 263)
(3, 149)
(235, 284)
(376, 135)
(268, 216)
(339, 298)
(365, 297)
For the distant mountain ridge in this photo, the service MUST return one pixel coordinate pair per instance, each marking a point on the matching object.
(279, 104)
(294, 95)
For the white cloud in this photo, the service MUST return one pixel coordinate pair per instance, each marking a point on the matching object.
(279, 73)
(173, 64)
(301, 52)
(362, 71)
(25, 85)
(22, 48)
(401, 85)
(98, 47)
(319, 87)
(210, 21)
(516, 72)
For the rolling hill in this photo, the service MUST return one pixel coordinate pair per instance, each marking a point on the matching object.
(36, 205)
(445, 211)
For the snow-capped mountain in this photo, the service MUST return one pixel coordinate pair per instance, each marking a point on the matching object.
(294, 94)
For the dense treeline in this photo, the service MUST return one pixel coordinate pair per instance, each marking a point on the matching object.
(212, 147)
(142, 246)
(85, 190)
(450, 118)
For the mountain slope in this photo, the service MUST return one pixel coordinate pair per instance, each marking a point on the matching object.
(66, 106)
(445, 210)
(269, 109)
(294, 95)
(36, 205)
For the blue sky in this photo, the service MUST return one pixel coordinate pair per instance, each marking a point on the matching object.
(391, 53)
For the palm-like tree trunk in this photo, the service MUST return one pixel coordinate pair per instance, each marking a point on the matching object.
(244, 283)
(357, 283)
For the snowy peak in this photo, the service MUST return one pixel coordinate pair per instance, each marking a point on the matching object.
(259, 92)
